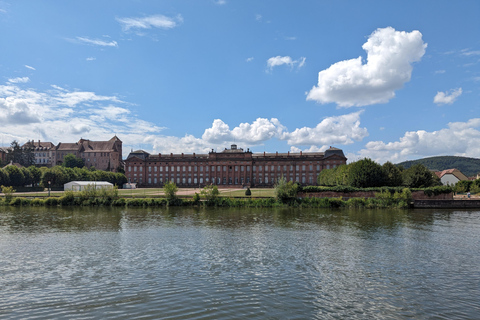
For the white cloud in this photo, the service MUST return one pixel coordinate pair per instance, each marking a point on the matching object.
(29, 67)
(59, 115)
(91, 59)
(258, 17)
(468, 52)
(97, 42)
(19, 80)
(279, 60)
(220, 2)
(440, 72)
(153, 21)
(249, 59)
(390, 55)
(447, 97)
(458, 139)
(344, 129)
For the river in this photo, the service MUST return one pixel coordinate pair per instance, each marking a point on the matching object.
(195, 263)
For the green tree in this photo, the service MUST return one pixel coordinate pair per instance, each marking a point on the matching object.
(393, 174)
(72, 161)
(17, 179)
(36, 174)
(28, 179)
(8, 192)
(4, 178)
(170, 189)
(23, 156)
(285, 191)
(210, 192)
(366, 173)
(418, 176)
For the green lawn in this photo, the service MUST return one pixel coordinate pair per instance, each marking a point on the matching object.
(158, 192)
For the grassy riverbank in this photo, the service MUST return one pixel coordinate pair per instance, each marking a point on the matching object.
(190, 197)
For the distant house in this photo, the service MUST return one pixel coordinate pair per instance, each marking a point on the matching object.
(450, 176)
(82, 185)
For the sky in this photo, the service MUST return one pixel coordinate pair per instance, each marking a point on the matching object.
(386, 80)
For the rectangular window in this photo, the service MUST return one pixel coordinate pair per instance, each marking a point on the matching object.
(318, 167)
(248, 168)
(242, 168)
(266, 168)
(303, 167)
(224, 168)
(141, 169)
(310, 168)
(149, 169)
(155, 169)
(184, 168)
(134, 168)
(189, 168)
(129, 169)
(236, 168)
(219, 168)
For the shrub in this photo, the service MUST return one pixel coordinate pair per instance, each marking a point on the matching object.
(51, 201)
(8, 192)
(170, 189)
(196, 198)
(285, 192)
(37, 203)
(248, 192)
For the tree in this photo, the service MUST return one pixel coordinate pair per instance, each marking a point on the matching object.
(4, 178)
(285, 191)
(23, 156)
(210, 192)
(366, 173)
(393, 174)
(418, 176)
(170, 189)
(17, 179)
(36, 174)
(72, 161)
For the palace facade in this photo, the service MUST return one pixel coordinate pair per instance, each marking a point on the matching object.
(232, 167)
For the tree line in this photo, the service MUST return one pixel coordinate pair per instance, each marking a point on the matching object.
(57, 176)
(366, 173)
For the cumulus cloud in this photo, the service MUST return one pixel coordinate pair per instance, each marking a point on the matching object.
(97, 42)
(447, 97)
(50, 115)
(344, 129)
(390, 55)
(459, 139)
(279, 60)
(153, 21)
(19, 80)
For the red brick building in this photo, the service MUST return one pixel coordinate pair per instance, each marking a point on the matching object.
(231, 167)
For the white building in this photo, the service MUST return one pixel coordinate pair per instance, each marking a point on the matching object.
(82, 185)
(450, 176)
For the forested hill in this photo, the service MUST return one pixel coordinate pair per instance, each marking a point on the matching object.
(468, 166)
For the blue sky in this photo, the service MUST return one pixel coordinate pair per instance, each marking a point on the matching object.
(388, 80)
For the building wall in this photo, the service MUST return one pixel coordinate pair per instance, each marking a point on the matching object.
(449, 179)
(234, 169)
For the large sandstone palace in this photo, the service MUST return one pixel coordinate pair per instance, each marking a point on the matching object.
(232, 167)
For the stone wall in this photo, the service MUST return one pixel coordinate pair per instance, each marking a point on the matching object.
(416, 195)
(447, 204)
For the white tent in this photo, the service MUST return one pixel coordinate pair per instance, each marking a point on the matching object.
(81, 185)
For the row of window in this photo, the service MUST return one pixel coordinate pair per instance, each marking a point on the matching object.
(229, 168)
(223, 181)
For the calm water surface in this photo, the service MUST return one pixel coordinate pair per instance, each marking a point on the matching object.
(182, 263)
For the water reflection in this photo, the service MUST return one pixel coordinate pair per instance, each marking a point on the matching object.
(217, 263)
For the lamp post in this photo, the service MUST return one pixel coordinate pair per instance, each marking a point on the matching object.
(49, 188)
